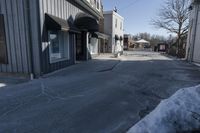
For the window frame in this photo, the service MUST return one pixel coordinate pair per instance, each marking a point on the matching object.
(116, 23)
(4, 58)
(63, 37)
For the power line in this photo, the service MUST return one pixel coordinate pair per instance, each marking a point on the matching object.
(129, 5)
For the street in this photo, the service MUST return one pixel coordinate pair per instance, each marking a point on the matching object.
(104, 95)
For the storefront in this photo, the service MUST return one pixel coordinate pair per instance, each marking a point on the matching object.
(59, 41)
(39, 37)
(88, 26)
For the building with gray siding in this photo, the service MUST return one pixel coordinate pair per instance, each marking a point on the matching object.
(41, 36)
(193, 43)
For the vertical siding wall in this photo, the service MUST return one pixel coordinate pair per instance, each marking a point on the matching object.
(196, 54)
(193, 42)
(17, 38)
(62, 9)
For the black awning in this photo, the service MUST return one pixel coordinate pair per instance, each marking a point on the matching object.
(86, 22)
(94, 35)
(56, 23)
(117, 37)
(102, 35)
(121, 38)
(99, 35)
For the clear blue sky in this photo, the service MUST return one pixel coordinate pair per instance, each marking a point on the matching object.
(137, 14)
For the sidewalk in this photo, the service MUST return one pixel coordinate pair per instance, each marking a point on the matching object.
(106, 56)
(10, 79)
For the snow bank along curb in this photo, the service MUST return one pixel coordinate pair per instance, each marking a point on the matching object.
(179, 113)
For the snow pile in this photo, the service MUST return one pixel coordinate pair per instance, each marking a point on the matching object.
(179, 113)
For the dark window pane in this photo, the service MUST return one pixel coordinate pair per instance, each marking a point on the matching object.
(54, 42)
(3, 51)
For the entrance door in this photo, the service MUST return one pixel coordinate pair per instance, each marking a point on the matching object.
(79, 47)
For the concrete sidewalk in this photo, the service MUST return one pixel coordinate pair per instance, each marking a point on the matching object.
(12, 79)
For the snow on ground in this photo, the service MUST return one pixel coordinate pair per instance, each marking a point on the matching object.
(2, 85)
(179, 113)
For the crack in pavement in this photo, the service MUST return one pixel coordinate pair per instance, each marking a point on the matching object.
(51, 97)
(44, 92)
(12, 110)
(150, 94)
(110, 69)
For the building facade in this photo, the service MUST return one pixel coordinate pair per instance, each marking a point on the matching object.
(193, 42)
(114, 27)
(41, 36)
(128, 42)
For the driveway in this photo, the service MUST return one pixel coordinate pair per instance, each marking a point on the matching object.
(105, 95)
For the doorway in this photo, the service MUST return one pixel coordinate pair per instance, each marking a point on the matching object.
(81, 47)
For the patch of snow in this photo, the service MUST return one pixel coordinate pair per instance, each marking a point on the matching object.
(2, 85)
(179, 113)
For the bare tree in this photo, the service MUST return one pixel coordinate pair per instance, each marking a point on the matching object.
(173, 17)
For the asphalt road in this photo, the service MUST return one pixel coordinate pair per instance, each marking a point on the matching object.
(105, 95)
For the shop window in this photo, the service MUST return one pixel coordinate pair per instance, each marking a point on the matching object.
(59, 46)
(93, 46)
(3, 50)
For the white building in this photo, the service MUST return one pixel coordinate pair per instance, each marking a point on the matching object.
(193, 43)
(113, 26)
(142, 43)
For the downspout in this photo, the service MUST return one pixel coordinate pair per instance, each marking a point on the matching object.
(39, 36)
(30, 43)
(194, 36)
(32, 72)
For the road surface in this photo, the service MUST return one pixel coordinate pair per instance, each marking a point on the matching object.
(104, 95)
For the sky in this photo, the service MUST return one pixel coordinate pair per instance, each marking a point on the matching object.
(137, 14)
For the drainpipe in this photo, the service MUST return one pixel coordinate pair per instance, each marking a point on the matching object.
(33, 72)
(30, 42)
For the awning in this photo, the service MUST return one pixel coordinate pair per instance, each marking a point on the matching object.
(142, 41)
(86, 22)
(121, 38)
(94, 35)
(99, 35)
(117, 37)
(56, 23)
(102, 35)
